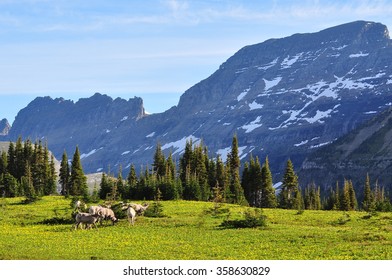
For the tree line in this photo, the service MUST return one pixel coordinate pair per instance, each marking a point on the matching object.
(199, 177)
(28, 170)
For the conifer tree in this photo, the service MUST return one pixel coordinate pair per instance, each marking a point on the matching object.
(185, 161)
(122, 188)
(252, 181)
(345, 200)
(298, 202)
(105, 186)
(38, 169)
(11, 165)
(221, 177)
(78, 182)
(64, 174)
(245, 183)
(368, 200)
(233, 160)
(353, 199)
(288, 197)
(268, 197)
(212, 174)
(27, 184)
(3, 163)
(312, 199)
(159, 161)
(49, 173)
(52, 177)
(132, 181)
(20, 160)
(336, 204)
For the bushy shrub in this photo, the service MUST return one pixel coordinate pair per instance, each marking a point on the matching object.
(253, 218)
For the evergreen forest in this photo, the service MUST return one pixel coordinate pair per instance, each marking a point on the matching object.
(28, 170)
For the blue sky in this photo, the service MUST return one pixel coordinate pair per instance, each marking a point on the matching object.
(153, 49)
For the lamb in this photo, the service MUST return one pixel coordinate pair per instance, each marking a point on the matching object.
(87, 219)
(131, 213)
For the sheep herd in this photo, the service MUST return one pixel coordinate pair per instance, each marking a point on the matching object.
(100, 213)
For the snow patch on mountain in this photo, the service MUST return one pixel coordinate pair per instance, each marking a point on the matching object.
(243, 94)
(301, 143)
(226, 151)
(252, 125)
(319, 116)
(271, 83)
(360, 54)
(150, 135)
(339, 48)
(254, 106)
(179, 145)
(268, 65)
(85, 155)
(287, 62)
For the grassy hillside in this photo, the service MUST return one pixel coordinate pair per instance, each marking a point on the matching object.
(29, 232)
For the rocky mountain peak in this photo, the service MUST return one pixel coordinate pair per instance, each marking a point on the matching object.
(283, 98)
(4, 127)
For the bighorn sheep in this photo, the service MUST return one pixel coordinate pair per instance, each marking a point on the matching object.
(105, 213)
(108, 214)
(139, 208)
(87, 219)
(131, 213)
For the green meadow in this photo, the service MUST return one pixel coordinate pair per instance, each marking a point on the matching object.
(44, 230)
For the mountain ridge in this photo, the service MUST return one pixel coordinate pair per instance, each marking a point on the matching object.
(283, 98)
(367, 150)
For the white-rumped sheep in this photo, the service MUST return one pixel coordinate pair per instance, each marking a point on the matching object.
(87, 219)
(131, 213)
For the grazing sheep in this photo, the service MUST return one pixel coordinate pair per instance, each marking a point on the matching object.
(139, 208)
(94, 209)
(87, 219)
(108, 214)
(131, 213)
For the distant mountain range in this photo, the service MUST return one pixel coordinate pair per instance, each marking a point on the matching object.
(284, 98)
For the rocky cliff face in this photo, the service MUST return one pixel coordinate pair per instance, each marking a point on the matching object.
(283, 98)
(365, 150)
(4, 127)
(87, 123)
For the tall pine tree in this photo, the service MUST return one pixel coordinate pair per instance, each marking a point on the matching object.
(268, 197)
(78, 182)
(233, 168)
(368, 203)
(288, 196)
(64, 174)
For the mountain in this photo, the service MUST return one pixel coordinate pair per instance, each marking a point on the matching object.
(86, 123)
(283, 98)
(4, 127)
(365, 150)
